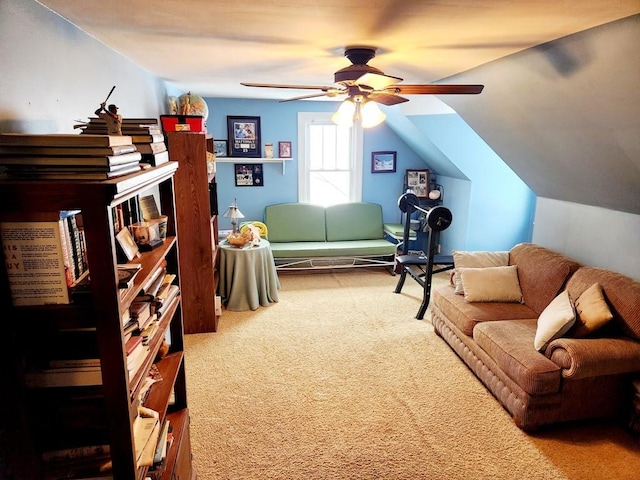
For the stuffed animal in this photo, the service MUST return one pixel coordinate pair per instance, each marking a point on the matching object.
(255, 235)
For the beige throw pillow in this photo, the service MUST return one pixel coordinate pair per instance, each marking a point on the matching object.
(554, 321)
(491, 284)
(592, 312)
(475, 259)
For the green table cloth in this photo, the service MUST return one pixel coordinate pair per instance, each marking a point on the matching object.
(248, 277)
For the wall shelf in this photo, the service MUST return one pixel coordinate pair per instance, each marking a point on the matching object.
(254, 160)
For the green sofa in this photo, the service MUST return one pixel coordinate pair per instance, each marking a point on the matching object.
(305, 236)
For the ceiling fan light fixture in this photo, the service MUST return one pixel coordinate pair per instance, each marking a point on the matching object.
(358, 109)
(345, 114)
(371, 115)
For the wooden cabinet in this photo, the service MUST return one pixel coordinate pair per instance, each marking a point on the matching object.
(52, 419)
(197, 214)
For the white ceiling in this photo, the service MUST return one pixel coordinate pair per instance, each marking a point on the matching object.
(209, 46)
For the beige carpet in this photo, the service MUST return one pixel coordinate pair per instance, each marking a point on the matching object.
(339, 381)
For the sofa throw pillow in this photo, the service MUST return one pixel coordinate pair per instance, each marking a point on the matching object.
(491, 284)
(592, 312)
(554, 321)
(475, 259)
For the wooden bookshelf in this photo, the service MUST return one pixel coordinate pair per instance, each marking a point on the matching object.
(45, 419)
(196, 211)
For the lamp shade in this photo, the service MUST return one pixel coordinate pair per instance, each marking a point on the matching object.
(345, 113)
(358, 109)
(371, 115)
(233, 212)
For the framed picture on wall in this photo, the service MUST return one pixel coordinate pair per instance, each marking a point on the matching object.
(220, 148)
(418, 181)
(383, 162)
(249, 175)
(244, 136)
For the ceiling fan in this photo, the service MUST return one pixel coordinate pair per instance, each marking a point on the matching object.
(363, 82)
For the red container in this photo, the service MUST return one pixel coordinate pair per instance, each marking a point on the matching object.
(183, 123)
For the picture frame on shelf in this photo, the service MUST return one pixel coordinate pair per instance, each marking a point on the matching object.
(128, 244)
(220, 148)
(418, 181)
(383, 162)
(284, 149)
(249, 174)
(244, 136)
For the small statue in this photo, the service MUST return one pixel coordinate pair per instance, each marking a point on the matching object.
(111, 117)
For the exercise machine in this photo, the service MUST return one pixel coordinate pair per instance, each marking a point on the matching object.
(420, 266)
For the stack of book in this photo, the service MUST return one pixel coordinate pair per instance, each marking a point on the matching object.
(65, 373)
(146, 431)
(136, 354)
(146, 134)
(68, 156)
(78, 462)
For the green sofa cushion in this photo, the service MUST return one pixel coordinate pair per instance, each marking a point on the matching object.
(396, 230)
(295, 222)
(352, 248)
(354, 221)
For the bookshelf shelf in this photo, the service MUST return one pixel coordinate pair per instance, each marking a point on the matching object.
(91, 328)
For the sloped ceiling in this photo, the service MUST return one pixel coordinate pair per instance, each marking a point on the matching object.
(209, 47)
(565, 116)
(563, 113)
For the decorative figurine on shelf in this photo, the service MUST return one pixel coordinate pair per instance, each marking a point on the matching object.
(173, 105)
(192, 104)
(110, 116)
(268, 150)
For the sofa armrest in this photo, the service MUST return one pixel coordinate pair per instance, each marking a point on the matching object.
(592, 357)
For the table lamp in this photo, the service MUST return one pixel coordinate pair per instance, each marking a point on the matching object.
(234, 214)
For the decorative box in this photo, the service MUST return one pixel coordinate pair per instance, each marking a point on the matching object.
(183, 123)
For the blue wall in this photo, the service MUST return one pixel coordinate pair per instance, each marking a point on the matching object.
(491, 206)
(279, 122)
(494, 210)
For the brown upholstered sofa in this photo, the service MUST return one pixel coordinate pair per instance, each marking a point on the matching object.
(571, 378)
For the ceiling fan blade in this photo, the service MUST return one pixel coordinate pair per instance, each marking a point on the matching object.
(313, 95)
(386, 98)
(296, 87)
(434, 89)
(377, 81)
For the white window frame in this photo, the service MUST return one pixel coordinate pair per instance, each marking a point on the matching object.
(305, 120)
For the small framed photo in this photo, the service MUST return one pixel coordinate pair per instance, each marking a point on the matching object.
(244, 137)
(249, 175)
(284, 149)
(418, 181)
(383, 162)
(220, 148)
(128, 244)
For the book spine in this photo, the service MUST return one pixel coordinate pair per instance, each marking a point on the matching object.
(66, 254)
(75, 245)
(68, 377)
(67, 454)
(75, 363)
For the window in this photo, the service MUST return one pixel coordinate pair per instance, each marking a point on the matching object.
(330, 168)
